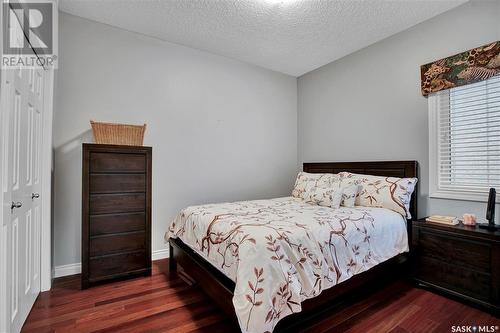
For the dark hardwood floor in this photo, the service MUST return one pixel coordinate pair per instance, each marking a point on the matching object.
(163, 303)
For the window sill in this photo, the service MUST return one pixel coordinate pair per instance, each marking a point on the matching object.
(462, 195)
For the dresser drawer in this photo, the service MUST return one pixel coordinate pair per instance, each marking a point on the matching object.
(116, 223)
(453, 277)
(459, 251)
(113, 265)
(117, 183)
(103, 245)
(117, 203)
(117, 162)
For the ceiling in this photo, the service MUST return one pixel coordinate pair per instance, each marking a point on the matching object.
(288, 36)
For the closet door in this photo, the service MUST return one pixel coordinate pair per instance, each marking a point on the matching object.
(23, 91)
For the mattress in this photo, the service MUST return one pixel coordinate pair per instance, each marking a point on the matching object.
(280, 252)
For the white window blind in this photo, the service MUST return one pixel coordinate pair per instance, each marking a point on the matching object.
(467, 140)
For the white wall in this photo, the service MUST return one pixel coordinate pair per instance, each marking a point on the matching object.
(368, 105)
(221, 130)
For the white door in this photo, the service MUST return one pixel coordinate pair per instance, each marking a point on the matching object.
(22, 93)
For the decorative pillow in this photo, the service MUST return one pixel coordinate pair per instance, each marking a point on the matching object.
(349, 193)
(307, 181)
(388, 192)
(325, 196)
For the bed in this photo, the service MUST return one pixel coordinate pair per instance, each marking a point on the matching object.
(271, 264)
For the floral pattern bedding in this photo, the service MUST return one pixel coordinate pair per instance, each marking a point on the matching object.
(283, 251)
(375, 191)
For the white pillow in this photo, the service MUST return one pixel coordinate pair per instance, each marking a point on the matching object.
(349, 193)
(388, 192)
(325, 196)
(306, 182)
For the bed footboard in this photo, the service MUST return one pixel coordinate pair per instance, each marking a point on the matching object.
(220, 288)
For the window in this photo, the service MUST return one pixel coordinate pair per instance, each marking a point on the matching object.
(464, 141)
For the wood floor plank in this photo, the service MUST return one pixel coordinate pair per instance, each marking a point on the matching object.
(165, 303)
(164, 320)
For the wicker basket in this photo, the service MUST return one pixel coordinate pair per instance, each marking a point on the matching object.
(118, 134)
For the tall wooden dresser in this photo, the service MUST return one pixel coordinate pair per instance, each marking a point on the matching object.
(116, 212)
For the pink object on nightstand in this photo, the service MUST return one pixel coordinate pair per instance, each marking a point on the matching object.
(469, 219)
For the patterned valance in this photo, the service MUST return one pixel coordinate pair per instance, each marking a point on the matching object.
(467, 67)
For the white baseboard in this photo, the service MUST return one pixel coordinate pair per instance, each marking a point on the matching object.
(76, 268)
(65, 270)
(159, 254)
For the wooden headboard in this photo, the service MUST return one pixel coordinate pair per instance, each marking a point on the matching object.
(402, 169)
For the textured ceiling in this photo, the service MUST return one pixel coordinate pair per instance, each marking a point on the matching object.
(289, 36)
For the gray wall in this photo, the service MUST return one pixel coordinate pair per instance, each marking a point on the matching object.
(220, 129)
(368, 105)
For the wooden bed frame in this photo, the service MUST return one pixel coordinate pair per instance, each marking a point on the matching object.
(220, 288)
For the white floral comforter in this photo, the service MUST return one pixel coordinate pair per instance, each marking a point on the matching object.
(282, 251)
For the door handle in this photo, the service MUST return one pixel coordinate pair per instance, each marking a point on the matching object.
(35, 196)
(18, 204)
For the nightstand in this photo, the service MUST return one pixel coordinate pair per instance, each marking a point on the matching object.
(458, 260)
